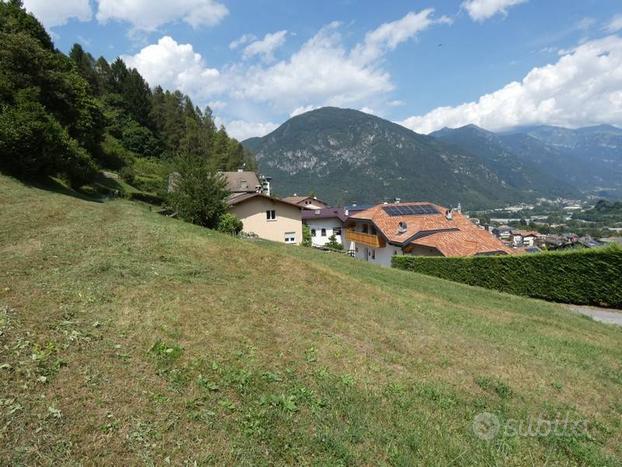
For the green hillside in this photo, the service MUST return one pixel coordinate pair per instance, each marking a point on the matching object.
(129, 338)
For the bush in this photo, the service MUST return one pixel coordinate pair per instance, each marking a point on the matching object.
(127, 174)
(586, 277)
(333, 244)
(229, 224)
(306, 235)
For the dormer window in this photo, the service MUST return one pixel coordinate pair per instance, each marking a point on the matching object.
(243, 184)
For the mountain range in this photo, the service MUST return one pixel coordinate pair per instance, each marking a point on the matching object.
(345, 156)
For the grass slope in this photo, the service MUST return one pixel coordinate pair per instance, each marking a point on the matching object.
(127, 337)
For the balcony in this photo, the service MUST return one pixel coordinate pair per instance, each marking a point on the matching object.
(361, 238)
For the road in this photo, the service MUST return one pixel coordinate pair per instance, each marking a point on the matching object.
(604, 315)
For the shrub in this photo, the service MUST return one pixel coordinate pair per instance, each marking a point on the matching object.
(333, 244)
(306, 235)
(586, 277)
(229, 224)
(127, 174)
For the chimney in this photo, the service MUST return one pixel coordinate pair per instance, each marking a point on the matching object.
(398, 200)
(449, 214)
(240, 170)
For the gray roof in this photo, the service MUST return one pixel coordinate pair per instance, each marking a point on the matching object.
(326, 213)
(241, 181)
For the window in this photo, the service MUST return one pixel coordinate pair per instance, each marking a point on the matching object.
(271, 215)
(313, 233)
(373, 254)
(323, 232)
(364, 228)
(290, 237)
(373, 230)
(337, 231)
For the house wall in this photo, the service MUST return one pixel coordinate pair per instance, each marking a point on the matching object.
(329, 225)
(382, 255)
(252, 213)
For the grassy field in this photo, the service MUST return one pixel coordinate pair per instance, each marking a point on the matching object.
(128, 338)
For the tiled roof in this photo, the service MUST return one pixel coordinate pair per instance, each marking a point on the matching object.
(452, 237)
(325, 213)
(300, 199)
(525, 233)
(238, 198)
(241, 182)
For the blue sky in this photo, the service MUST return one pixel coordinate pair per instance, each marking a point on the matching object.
(425, 64)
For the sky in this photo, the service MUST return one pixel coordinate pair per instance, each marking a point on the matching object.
(425, 64)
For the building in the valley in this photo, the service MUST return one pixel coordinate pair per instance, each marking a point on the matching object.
(421, 229)
(323, 223)
(261, 214)
(522, 238)
(307, 202)
(503, 232)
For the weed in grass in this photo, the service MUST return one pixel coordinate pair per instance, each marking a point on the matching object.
(495, 386)
(166, 353)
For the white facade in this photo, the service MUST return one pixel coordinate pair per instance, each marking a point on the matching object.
(381, 256)
(322, 229)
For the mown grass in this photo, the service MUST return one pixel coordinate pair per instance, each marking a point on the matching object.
(127, 337)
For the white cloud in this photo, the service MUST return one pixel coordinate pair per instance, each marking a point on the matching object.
(266, 46)
(583, 87)
(302, 109)
(58, 13)
(389, 35)
(481, 10)
(614, 25)
(175, 66)
(241, 129)
(148, 15)
(244, 39)
(323, 71)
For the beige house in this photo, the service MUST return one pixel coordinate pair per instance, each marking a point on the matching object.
(268, 217)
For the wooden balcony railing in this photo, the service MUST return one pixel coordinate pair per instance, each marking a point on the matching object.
(371, 240)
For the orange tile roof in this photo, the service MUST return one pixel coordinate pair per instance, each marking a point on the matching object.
(455, 237)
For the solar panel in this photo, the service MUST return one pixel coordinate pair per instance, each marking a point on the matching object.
(416, 210)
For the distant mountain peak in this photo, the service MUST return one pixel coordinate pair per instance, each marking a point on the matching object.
(345, 155)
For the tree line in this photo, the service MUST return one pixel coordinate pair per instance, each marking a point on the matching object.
(70, 115)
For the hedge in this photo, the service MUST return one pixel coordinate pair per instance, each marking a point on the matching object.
(583, 277)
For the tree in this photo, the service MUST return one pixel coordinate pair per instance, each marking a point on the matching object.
(199, 194)
(33, 144)
(229, 224)
(333, 243)
(306, 235)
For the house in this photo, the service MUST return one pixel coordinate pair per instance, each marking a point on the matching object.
(421, 229)
(261, 214)
(523, 238)
(504, 232)
(267, 217)
(307, 202)
(324, 223)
